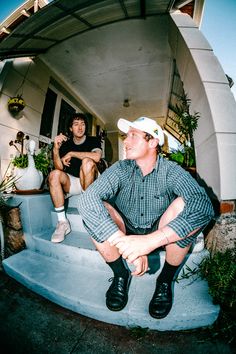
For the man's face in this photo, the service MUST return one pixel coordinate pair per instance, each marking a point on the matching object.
(78, 128)
(136, 146)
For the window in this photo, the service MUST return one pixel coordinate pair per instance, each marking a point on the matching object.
(177, 91)
(48, 114)
(66, 111)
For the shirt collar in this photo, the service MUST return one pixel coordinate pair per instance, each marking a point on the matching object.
(156, 167)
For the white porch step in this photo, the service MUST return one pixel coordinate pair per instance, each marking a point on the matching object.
(74, 275)
(81, 287)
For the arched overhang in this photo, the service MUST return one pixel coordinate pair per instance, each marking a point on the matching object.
(208, 87)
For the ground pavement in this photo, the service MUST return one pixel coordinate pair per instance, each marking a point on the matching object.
(32, 324)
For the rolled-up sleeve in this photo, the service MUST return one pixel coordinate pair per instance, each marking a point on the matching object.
(95, 216)
(198, 210)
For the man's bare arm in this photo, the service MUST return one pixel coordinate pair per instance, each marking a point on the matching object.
(94, 155)
(59, 139)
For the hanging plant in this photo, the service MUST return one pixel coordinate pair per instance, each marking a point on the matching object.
(16, 104)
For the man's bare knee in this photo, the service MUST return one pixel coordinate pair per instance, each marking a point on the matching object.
(87, 165)
(115, 216)
(176, 254)
(174, 209)
(54, 176)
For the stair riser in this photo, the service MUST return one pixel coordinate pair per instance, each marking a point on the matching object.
(92, 258)
(73, 201)
(69, 254)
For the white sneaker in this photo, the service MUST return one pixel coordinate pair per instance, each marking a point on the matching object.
(63, 228)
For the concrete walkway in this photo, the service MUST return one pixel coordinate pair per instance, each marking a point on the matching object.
(31, 324)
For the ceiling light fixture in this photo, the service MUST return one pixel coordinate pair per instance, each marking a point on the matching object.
(126, 102)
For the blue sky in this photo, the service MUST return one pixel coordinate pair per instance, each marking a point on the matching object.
(218, 26)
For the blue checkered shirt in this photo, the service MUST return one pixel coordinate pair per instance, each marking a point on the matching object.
(144, 199)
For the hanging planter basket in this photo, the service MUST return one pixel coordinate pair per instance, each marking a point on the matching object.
(16, 104)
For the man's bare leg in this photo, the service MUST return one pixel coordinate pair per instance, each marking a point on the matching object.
(59, 183)
(88, 172)
(174, 254)
(108, 252)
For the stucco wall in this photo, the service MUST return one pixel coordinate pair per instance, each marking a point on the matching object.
(207, 86)
(34, 78)
(30, 78)
(111, 147)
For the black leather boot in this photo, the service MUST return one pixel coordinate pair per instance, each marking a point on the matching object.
(117, 294)
(161, 302)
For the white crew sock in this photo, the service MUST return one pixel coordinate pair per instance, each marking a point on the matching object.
(61, 215)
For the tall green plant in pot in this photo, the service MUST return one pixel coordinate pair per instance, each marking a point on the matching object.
(186, 124)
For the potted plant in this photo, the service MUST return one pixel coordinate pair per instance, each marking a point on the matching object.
(16, 104)
(219, 269)
(186, 124)
(31, 168)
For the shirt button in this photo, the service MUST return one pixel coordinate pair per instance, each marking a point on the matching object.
(141, 198)
(142, 214)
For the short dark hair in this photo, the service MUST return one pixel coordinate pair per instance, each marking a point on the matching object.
(149, 137)
(79, 116)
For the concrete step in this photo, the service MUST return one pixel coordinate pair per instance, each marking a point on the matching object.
(81, 288)
(77, 248)
(72, 201)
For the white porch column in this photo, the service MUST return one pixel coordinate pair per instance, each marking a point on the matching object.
(207, 86)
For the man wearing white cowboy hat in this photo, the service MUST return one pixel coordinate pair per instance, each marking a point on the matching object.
(139, 205)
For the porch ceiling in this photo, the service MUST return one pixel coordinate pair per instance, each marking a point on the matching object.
(105, 50)
(62, 19)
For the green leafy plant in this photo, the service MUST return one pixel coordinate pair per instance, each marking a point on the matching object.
(20, 161)
(185, 158)
(186, 124)
(188, 273)
(43, 160)
(6, 184)
(220, 272)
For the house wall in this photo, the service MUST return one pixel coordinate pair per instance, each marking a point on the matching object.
(31, 78)
(111, 147)
(207, 86)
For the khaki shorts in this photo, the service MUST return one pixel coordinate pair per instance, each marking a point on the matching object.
(75, 186)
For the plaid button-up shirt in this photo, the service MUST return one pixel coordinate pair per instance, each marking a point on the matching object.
(143, 199)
